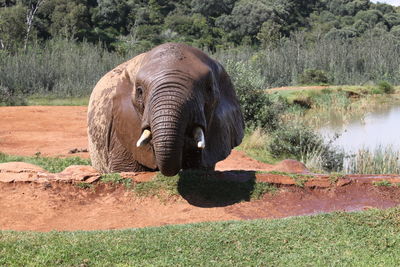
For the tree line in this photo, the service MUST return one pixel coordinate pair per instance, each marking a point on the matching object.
(122, 25)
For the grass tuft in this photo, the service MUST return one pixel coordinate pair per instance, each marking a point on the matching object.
(115, 179)
(50, 164)
(83, 185)
(383, 183)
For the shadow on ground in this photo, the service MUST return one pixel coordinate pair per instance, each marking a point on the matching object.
(216, 189)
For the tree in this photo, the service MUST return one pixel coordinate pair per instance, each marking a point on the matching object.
(112, 13)
(69, 18)
(33, 7)
(246, 19)
(392, 19)
(384, 8)
(12, 27)
(345, 33)
(212, 8)
(269, 34)
(371, 17)
(396, 31)
(7, 3)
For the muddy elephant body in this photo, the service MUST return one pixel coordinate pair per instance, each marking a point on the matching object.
(169, 109)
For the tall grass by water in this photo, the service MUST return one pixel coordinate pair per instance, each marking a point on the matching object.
(381, 160)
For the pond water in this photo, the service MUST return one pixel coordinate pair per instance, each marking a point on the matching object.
(378, 128)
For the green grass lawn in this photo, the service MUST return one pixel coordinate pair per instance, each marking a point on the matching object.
(369, 238)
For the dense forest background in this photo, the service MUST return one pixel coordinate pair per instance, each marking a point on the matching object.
(65, 46)
(208, 24)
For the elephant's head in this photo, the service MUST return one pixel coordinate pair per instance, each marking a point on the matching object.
(177, 109)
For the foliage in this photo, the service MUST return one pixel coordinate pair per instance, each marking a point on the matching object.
(386, 87)
(115, 178)
(259, 109)
(254, 144)
(50, 164)
(310, 76)
(368, 238)
(303, 144)
(383, 183)
(12, 27)
(118, 23)
(10, 98)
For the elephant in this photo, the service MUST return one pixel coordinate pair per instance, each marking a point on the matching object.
(167, 109)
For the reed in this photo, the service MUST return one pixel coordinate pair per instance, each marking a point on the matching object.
(381, 160)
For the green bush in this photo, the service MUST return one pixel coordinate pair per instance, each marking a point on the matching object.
(10, 98)
(302, 143)
(259, 108)
(311, 76)
(386, 87)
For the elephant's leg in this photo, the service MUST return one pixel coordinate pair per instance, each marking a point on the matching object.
(122, 160)
(193, 159)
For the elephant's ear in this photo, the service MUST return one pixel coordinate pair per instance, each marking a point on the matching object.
(127, 120)
(226, 125)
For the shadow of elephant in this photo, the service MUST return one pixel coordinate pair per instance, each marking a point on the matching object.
(216, 189)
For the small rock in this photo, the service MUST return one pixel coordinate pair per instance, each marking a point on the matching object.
(78, 173)
(18, 167)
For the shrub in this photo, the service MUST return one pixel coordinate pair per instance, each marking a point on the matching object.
(311, 76)
(259, 109)
(293, 140)
(386, 87)
(10, 98)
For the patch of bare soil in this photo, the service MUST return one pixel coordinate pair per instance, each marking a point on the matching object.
(33, 199)
(50, 130)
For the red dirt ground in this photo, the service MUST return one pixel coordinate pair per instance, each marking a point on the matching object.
(45, 206)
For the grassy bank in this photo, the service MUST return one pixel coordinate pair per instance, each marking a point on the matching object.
(369, 238)
(316, 107)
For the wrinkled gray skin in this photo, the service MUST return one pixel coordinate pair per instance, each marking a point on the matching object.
(169, 90)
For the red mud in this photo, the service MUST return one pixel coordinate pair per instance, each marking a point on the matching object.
(32, 199)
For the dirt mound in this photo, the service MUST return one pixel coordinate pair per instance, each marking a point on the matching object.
(74, 199)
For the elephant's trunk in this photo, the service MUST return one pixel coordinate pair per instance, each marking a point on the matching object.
(168, 124)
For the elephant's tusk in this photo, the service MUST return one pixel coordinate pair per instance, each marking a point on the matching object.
(144, 138)
(199, 137)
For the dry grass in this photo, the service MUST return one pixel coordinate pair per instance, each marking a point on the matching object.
(255, 140)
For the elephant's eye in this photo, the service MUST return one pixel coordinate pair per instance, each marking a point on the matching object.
(139, 92)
